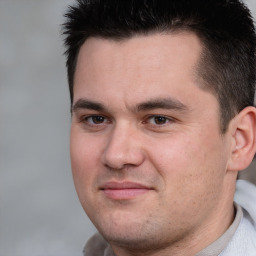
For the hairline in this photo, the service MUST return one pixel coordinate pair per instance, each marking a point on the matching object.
(201, 65)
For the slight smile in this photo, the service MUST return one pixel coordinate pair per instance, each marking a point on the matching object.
(124, 190)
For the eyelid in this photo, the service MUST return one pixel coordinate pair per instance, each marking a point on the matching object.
(168, 118)
(84, 119)
(107, 120)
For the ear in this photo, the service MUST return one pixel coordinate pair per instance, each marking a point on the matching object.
(243, 129)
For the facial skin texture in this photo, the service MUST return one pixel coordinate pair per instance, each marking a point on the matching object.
(140, 117)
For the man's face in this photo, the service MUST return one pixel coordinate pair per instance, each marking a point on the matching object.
(148, 160)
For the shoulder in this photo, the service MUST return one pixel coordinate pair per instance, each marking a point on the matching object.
(243, 242)
(95, 246)
(245, 196)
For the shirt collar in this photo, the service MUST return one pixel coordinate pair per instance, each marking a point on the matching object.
(221, 243)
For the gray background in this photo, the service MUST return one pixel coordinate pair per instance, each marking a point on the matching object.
(39, 210)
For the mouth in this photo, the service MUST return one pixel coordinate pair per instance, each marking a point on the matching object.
(124, 190)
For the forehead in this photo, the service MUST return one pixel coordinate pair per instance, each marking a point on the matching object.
(137, 68)
(147, 51)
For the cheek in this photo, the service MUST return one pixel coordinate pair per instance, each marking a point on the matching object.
(171, 156)
(191, 175)
(84, 161)
(188, 161)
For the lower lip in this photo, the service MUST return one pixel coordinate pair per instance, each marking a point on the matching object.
(124, 194)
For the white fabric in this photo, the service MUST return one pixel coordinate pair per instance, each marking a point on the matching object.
(245, 196)
(243, 242)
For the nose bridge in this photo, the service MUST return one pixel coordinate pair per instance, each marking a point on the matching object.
(123, 147)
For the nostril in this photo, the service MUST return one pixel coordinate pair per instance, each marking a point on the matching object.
(125, 167)
(123, 148)
(118, 160)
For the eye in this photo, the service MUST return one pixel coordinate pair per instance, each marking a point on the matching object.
(159, 120)
(94, 120)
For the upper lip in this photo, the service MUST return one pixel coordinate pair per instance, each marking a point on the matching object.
(123, 185)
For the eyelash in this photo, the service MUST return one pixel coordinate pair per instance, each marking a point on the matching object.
(85, 119)
(165, 119)
(149, 120)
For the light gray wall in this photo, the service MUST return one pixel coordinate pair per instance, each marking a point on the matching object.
(39, 210)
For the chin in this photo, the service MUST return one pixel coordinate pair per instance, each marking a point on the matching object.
(136, 242)
(133, 235)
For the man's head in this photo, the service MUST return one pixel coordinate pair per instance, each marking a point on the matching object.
(151, 166)
(225, 28)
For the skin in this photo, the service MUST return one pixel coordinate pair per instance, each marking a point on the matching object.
(149, 162)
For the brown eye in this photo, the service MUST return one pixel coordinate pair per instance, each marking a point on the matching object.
(158, 120)
(98, 119)
(94, 120)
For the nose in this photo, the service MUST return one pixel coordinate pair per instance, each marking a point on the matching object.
(124, 148)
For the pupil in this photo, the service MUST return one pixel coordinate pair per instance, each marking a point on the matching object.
(98, 119)
(160, 120)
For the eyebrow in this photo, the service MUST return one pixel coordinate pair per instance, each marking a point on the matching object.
(162, 103)
(87, 104)
(158, 103)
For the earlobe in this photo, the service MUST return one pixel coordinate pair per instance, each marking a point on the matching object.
(244, 139)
